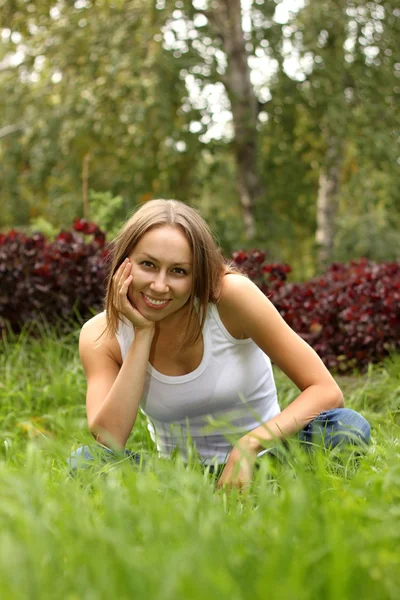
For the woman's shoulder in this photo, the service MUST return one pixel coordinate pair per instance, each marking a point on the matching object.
(95, 325)
(232, 285)
(94, 337)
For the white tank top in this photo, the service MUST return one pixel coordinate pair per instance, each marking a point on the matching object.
(230, 393)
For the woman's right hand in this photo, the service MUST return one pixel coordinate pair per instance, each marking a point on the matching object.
(121, 282)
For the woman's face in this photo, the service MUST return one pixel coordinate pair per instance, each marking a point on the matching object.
(162, 271)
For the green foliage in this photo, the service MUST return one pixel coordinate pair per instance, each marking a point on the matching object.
(350, 81)
(108, 80)
(227, 227)
(42, 225)
(108, 212)
(100, 91)
(373, 235)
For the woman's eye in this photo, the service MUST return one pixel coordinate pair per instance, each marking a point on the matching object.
(178, 270)
(181, 271)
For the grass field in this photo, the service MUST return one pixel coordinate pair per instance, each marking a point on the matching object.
(316, 527)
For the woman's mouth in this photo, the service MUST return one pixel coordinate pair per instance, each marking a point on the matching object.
(153, 303)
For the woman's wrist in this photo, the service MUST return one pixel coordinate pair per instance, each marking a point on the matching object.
(249, 445)
(146, 333)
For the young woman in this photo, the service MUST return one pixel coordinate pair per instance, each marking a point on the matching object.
(189, 341)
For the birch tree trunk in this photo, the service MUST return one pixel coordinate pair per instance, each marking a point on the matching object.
(327, 201)
(227, 20)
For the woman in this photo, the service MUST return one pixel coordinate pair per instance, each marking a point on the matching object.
(188, 340)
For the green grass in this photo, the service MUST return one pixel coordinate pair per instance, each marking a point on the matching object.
(321, 527)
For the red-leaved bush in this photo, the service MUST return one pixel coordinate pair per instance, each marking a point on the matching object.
(350, 315)
(269, 277)
(51, 280)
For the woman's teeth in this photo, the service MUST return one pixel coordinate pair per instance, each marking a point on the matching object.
(155, 302)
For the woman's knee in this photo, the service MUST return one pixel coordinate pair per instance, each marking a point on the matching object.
(346, 426)
(339, 426)
(86, 456)
(96, 454)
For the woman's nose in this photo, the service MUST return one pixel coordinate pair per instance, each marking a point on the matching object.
(159, 283)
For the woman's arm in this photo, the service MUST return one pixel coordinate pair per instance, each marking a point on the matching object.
(262, 322)
(113, 393)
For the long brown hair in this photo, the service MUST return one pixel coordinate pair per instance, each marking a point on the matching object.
(209, 266)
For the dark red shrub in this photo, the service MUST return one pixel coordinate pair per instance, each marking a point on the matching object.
(51, 280)
(268, 277)
(350, 315)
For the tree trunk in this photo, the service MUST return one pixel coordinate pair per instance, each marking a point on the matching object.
(227, 18)
(327, 202)
(85, 179)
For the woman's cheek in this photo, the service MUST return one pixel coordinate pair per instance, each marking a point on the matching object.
(137, 277)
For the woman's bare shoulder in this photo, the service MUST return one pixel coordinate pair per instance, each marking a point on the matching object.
(94, 326)
(93, 337)
(231, 285)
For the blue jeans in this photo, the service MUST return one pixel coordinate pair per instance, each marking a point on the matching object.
(86, 456)
(337, 427)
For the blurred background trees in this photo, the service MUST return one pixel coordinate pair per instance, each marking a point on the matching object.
(276, 118)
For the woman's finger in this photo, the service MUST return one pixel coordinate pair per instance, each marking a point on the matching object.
(123, 280)
(120, 271)
(122, 293)
(120, 275)
(127, 283)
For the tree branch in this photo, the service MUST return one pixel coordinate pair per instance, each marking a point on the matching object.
(8, 129)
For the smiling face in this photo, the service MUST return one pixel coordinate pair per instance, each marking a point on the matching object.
(162, 270)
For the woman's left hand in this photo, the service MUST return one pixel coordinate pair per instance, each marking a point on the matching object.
(238, 471)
